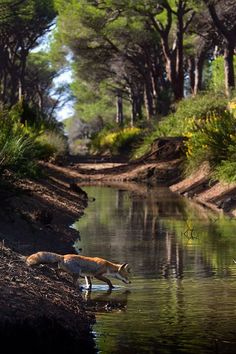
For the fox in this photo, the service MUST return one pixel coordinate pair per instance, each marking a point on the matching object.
(81, 266)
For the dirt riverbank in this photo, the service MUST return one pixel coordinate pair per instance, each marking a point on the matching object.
(200, 186)
(39, 312)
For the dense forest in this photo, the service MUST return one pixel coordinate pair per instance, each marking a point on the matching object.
(141, 70)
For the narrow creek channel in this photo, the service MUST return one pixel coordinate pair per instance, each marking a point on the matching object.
(183, 293)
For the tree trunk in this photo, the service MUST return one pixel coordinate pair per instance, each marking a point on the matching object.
(136, 108)
(3, 88)
(119, 110)
(229, 35)
(21, 89)
(173, 77)
(179, 83)
(191, 73)
(13, 87)
(133, 110)
(199, 61)
(229, 68)
(148, 102)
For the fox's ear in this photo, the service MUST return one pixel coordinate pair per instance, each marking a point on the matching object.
(126, 267)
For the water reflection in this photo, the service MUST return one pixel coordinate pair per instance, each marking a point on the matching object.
(106, 300)
(182, 297)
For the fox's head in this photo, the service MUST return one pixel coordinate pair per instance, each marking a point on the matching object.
(123, 273)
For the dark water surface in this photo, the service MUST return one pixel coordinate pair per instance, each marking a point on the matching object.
(183, 293)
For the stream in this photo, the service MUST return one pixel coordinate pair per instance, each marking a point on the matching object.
(182, 298)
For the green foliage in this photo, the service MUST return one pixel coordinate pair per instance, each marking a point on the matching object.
(213, 140)
(39, 84)
(93, 101)
(117, 142)
(225, 171)
(217, 83)
(181, 122)
(146, 142)
(22, 23)
(22, 145)
(51, 144)
(16, 147)
(189, 109)
(33, 120)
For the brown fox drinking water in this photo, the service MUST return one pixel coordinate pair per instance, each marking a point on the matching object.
(87, 267)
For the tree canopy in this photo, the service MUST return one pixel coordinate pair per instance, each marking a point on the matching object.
(142, 54)
(22, 24)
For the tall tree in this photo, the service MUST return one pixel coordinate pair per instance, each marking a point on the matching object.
(171, 20)
(114, 43)
(21, 25)
(223, 14)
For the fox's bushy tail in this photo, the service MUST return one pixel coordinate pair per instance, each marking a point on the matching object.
(43, 258)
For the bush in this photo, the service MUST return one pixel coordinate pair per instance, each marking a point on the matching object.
(181, 122)
(145, 145)
(16, 147)
(33, 120)
(189, 109)
(212, 140)
(21, 145)
(117, 142)
(51, 144)
(226, 171)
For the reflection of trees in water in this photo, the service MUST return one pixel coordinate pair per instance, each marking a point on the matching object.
(162, 236)
(152, 232)
(145, 213)
(162, 254)
(168, 252)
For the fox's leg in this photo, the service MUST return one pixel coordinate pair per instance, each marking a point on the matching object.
(102, 278)
(88, 282)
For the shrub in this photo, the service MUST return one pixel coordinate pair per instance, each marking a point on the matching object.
(189, 109)
(33, 120)
(145, 145)
(16, 147)
(181, 122)
(117, 142)
(225, 171)
(213, 140)
(232, 105)
(51, 144)
(21, 145)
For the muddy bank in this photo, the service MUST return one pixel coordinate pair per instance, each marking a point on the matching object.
(37, 215)
(40, 312)
(216, 195)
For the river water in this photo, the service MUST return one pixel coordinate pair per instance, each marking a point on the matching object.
(183, 293)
